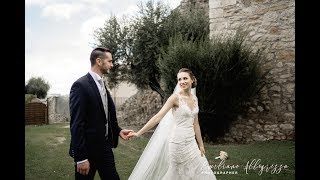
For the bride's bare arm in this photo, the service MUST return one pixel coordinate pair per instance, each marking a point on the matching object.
(170, 103)
(197, 131)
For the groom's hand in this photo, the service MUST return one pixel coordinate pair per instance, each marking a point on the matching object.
(83, 168)
(124, 133)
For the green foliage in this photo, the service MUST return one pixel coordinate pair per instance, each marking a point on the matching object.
(28, 98)
(228, 73)
(37, 86)
(117, 36)
(146, 46)
(137, 44)
(157, 43)
(191, 24)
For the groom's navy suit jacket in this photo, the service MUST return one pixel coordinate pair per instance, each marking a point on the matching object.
(88, 119)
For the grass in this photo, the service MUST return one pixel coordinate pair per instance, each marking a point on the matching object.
(46, 153)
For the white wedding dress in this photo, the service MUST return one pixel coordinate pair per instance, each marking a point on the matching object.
(172, 152)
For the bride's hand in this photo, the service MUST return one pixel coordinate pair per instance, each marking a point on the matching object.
(202, 150)
(132, 134)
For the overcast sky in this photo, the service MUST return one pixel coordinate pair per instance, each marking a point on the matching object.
(59, 36)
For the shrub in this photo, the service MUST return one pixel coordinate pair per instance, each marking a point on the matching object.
(28, 98)
(228, 73)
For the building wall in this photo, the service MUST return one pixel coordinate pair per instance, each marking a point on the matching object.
(58, 109)
(123, 92)
(271, 26)
(58, 106)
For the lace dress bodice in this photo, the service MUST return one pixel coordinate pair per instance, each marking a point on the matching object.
(184, 118)
(178, 159)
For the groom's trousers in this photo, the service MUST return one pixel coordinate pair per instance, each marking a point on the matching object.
(104, 165)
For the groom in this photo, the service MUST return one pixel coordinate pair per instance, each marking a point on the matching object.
(93, 125)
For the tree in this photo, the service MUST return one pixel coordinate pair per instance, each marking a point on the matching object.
(117, 36)
(191, 24)
(137, 45)
(154, 28)
(37, 86)
(146, 47)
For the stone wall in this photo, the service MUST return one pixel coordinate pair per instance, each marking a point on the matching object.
(195, 4)
(58, 109)
(139, 108)
(271, 25)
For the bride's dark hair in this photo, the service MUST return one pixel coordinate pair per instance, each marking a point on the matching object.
(194, 84)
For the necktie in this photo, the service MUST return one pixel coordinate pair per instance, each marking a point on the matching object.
(104, 99)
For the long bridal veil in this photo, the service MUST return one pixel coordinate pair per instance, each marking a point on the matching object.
(154, 161)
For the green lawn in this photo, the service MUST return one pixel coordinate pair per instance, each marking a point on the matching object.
(46, 149)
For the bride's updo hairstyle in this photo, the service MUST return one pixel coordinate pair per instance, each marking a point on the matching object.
(194, 84)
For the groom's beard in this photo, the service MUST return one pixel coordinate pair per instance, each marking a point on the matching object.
(106, 72)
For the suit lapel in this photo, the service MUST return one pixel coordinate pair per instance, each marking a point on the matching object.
(111, 105)
(93, 85)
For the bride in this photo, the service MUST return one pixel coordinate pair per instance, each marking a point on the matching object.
(176, 150)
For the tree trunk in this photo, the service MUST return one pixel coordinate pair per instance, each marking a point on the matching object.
(155, 86)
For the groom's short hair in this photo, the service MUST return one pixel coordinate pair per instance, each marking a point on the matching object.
(98, 52)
